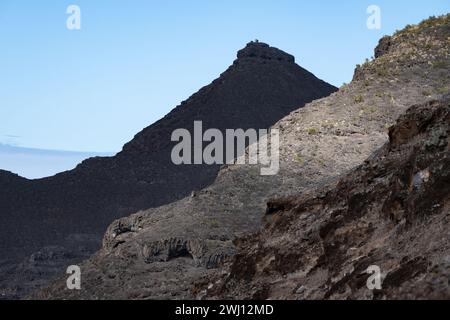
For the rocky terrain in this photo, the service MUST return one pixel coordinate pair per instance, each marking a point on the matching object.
(263, 85)
(392, 212)
(325, 220)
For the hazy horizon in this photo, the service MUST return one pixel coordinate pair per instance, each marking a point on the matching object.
(34, 163)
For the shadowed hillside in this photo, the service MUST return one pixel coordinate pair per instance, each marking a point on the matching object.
(315, 243)
(263, 85)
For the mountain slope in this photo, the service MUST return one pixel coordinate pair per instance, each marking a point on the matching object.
(263, 85)
(162, 252)
(392, 212)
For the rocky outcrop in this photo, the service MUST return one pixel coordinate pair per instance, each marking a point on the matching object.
(383, 46)
(261, 52)
(205, 253)
(392, 212)
(319, 145)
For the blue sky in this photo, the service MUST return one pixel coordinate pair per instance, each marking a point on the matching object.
(133, 61)
(39, 163)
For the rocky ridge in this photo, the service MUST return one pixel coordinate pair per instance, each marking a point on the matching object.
(263, 85)
(392, 212)
(152, 254)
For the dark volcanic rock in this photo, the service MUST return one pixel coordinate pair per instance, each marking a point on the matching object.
(161, 252)
(383, 46)
(262, 86)
(261, 51)
(392, 212)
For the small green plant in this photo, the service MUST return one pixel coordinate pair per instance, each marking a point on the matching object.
(426, 93)
(366, 129)
(388, 125)
(428, 22)
(382, 71)
(299, 159)
(442, 64)
(370, 109)
(213, 223)
(443, 90)
(359, 99)
(312, 131)
(355, 118)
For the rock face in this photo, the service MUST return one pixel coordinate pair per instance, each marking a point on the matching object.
(258, 51)
(383, 46)
(392, 212)
(263, 85)
(181, 249)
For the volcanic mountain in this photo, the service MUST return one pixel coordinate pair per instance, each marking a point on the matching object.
(364, 179)
(73, 208)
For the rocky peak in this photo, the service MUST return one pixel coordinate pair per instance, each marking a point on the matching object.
(319, 144)
(256, 50)
(87, 199)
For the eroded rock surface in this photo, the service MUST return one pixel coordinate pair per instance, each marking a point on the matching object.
(393, 212)
(151, 255)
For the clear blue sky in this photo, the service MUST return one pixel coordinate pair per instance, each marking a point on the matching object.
(133, 61)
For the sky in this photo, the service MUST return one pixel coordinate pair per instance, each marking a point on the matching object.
(39, 163)
(133, 61)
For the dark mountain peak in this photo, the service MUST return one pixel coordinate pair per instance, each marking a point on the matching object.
(262, 51)
(256, 93)
(7, 176)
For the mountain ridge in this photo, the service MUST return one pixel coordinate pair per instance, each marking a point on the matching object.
(254, 92)
(180, 250)
(388, 213)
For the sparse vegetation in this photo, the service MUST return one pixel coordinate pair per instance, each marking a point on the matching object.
(299, 159)
(369, 110)
(212, 222)
(382, 71)
(443, 90)
(312, 131)
(359, 99)
(388, 125)
(430, 22)
(442, 64)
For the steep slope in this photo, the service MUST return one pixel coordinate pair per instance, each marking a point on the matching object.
(392, 212)
(160, 253)
(263, 85)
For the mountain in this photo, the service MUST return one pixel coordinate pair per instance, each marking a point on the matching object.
(312, 213)
(391, 213)
(263, 85)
